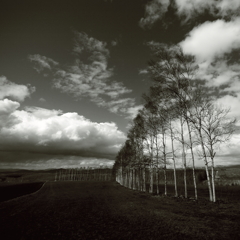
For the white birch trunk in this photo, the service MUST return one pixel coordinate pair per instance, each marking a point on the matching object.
(193, 161)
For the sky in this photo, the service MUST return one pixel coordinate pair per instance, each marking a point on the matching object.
(72, 73)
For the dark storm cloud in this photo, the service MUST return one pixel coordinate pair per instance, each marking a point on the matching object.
(33, 160)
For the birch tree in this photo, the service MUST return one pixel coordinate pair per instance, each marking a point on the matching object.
(217, 128)
(158, 103)
(175, 71)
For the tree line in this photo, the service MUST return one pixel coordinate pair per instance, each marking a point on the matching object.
(84, 174)
(180, 120)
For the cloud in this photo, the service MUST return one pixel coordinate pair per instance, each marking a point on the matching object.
(122, 106)
(7, 106)
(220, 8)
(36, 161)
(96, 48)
(212, 44)
(79, 85)
(45, 131)
(143, 71)
(189, 9)
(90, 76)
(133, 111)
(42, 62)
(231, 102)
(114, 43)
(212, 39)
(92, 79)
(221, 73)
(154, 11)
(13, 90)
(42, 100)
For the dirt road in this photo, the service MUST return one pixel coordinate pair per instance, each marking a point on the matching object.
(106, 210)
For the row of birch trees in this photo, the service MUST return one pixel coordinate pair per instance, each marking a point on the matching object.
(180, 118)
(84, 174)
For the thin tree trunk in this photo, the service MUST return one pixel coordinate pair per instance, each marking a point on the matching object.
(134, 179)
(193, 160)
(144, 179)
(157, 181)
(213, 182)
(174, 162)
(151, 180)
(164, 160)
(138, 179)
(206, 166)
(165, 180)
(184, 159)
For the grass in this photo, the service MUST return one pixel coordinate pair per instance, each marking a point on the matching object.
(107, 210)
(223, 193)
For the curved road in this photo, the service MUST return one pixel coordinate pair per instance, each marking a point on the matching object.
(103, 210)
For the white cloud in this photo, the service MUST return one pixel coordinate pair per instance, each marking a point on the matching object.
(143, 71)
(190, 8)
(76, 84)
(212, 39)
(89, 44)
(133, 111)
(92, 79)
(228, 153)
(53, 132)
(231, 102)
(16, 91)
(122, 106)
(7, 106)
(42, 100)
(154, 11)
(42, 113)
(212, 44)
(42, 62)
(220, 73)
(90, 76)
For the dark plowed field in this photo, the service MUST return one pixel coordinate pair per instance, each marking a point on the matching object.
(106, 210)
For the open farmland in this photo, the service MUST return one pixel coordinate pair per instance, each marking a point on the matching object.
(106, 210)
